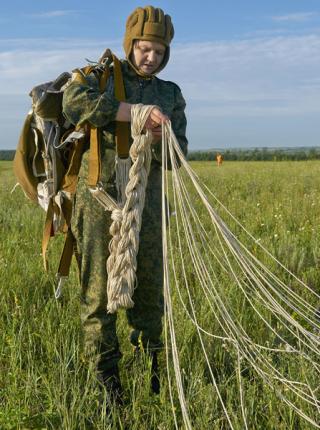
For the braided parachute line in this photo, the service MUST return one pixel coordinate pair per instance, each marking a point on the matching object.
(125, 229)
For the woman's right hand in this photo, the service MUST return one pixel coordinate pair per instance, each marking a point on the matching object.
(154, 123)
(155, 120)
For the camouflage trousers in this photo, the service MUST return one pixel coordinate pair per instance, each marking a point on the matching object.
(90, 227)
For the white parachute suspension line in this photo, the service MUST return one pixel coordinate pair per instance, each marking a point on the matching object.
(200, 272)
(170, 317)
(168, 310)
(243, 410)
(122, 166)
(238, 335)
(231, 240)
(231, 268)
(259, 296)
(196, 178)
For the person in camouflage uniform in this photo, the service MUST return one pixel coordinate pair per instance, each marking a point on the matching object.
(148, 35)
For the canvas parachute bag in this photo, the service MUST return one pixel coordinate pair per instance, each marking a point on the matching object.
(47, 160)
(48, 156)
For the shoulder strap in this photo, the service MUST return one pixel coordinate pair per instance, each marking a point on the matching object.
(122, 128)
(94, 167)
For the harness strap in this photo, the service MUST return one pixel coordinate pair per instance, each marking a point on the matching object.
(65, 262)
(94, 168)
(66, 256)
(69, 181)
(122, 128)
(103, 79)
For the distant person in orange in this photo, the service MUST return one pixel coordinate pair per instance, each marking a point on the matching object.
(219, 159)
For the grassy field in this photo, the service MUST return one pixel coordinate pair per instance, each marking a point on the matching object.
(44, 384)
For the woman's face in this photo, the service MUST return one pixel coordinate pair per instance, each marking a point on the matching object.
(147, 56)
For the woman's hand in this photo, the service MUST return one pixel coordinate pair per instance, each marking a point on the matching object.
(155, 119)
(154, 123)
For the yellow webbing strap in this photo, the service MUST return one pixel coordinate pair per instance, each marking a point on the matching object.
(94, 167)
(103, 80)
(68, 248)
(78, 75)
(69, 184)
(47, 234)
(70, 179)
(122, 128)
(66, 256)
(94, 154)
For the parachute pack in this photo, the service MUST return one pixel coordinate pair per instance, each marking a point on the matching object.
(48, 157)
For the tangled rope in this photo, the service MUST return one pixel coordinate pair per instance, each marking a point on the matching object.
(213, 252)
(126, 225)
(197, 237)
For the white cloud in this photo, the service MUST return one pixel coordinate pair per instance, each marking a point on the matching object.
(264, 79)
(275, 75)
(295, 17)
(26, 63)
(263, 76)
(52, 14)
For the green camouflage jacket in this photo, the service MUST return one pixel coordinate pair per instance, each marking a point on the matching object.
(90, 223)
(85, 103)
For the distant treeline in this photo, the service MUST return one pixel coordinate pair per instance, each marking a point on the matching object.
(258, 154)
(7, 155)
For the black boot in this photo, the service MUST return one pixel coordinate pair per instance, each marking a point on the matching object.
(110, 381)
(155, 376)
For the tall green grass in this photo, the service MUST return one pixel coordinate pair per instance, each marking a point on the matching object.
(44, 383)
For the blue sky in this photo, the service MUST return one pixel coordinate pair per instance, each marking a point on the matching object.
(249, 70)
